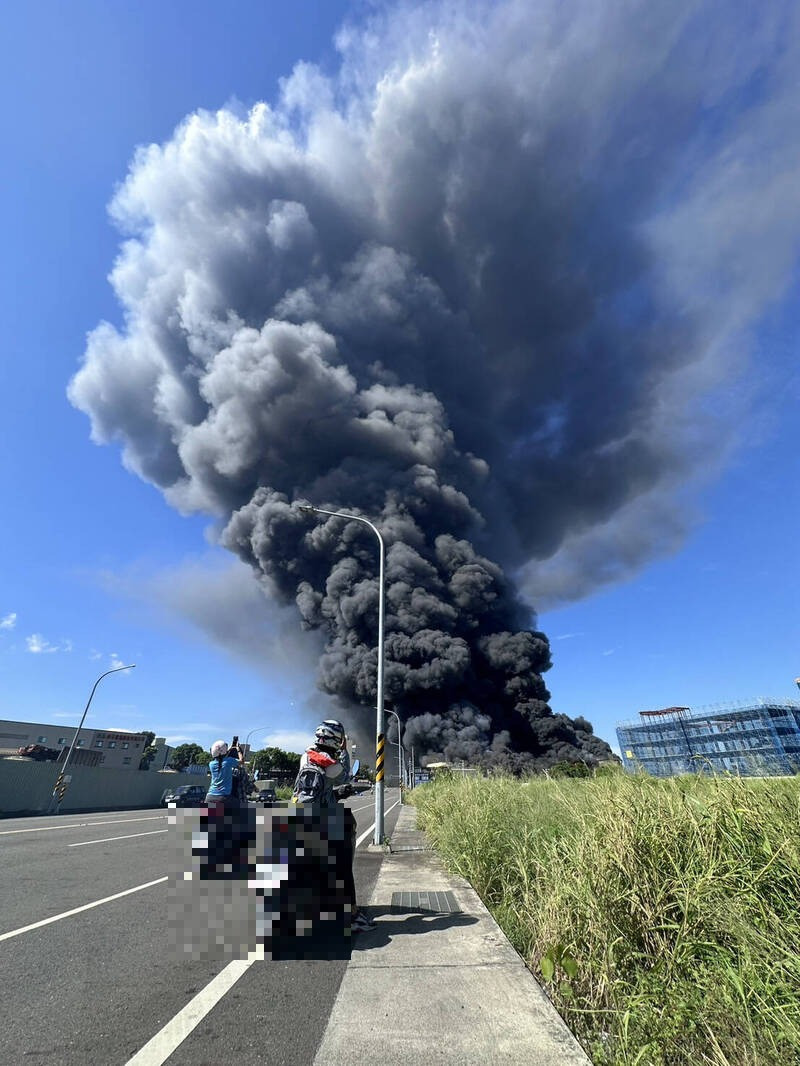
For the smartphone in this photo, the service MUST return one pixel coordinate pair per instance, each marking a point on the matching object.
(235, 742)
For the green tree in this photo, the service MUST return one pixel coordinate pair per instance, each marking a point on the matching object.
(275, 760)
(148, 750)
(185, 754)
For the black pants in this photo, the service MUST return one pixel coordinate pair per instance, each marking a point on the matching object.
(346, 852)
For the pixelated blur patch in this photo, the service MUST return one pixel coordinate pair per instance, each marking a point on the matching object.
(306, 912)
(276, 883)
(210, 911)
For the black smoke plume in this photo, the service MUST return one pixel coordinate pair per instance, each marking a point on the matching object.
(483, 288)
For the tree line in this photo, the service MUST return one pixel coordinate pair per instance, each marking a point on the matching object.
(264, 761)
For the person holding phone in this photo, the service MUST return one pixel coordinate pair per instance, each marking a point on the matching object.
(224, 761)
(226, 841)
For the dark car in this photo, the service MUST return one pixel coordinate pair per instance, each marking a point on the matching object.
(185, 796)
(352, 788)
(265, 797)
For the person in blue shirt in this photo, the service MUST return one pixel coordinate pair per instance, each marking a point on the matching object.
(223, 763)
(226, 820)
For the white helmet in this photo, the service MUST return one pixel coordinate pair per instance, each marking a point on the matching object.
(219, 747)
(330, 734)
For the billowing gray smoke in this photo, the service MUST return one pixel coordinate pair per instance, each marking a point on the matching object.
(482, 288)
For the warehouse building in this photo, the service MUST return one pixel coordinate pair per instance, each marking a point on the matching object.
(757, 738)
(115, 748)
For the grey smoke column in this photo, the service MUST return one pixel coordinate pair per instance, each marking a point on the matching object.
(482, 286)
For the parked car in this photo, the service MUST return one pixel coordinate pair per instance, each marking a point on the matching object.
(265, 797)
(185, 796)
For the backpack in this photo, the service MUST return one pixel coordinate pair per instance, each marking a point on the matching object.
(309, 785)
(313, 786)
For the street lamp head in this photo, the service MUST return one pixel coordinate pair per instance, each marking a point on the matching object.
(305, 508)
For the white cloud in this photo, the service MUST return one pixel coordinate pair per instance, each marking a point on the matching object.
(9, 621)
(287, 739)
(95, 654)
(38, 645)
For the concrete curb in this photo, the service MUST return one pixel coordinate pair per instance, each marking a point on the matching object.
(426, 987)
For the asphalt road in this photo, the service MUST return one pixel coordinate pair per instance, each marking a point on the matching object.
(100, 984)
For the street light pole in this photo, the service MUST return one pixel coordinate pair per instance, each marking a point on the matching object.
(59, 788)
(247, 738)
(379, 719)
(399, 750)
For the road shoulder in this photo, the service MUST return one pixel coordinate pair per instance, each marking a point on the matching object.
(427, 987)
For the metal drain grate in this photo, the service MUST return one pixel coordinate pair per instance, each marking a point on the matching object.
(436, 902)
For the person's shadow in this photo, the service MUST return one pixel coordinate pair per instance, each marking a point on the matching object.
(405, 921)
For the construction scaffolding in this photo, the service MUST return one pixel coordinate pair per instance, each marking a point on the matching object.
(758, 738)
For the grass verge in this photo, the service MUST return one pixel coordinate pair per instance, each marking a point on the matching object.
(662, 916)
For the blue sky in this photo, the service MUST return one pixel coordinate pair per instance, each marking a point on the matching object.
(95, 565)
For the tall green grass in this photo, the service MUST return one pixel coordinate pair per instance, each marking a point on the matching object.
(662, 916)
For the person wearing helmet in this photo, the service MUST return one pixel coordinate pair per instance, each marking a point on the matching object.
(223, 820)
(224, 761)
(329, 753)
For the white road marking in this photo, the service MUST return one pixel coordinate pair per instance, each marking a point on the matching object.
(81, 825)
(158, 1049)
(367, 832)
(128, 836)
(77, 910)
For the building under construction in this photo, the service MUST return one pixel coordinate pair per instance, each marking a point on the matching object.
(758, 738)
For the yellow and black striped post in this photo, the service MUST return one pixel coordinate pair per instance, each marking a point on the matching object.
(379, 757)
(60, 789)
(380, 745)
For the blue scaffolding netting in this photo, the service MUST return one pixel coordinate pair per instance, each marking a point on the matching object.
(754, 738)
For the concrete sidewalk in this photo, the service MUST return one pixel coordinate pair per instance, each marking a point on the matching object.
(432, 987)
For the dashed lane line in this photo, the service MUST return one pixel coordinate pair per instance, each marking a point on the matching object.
(367, 832)
(78, 910)
(128, 836)
(81, 825)
(159, 1048)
